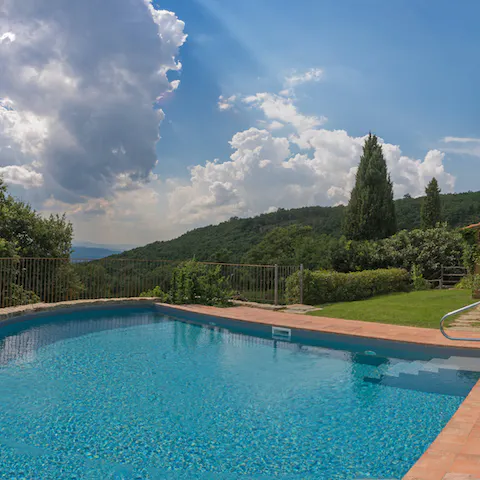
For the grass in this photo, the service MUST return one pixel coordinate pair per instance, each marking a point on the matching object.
(415, 309)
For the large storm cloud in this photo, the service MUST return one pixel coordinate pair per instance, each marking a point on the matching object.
(78, 89)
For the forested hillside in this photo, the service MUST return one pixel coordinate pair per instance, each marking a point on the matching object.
(230, 241)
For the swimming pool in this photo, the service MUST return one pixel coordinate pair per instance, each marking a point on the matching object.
(137, 393)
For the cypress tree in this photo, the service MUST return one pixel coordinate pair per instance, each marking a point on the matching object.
(431, 213)
(371, 210)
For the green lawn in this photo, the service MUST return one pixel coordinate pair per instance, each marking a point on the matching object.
(416, 309)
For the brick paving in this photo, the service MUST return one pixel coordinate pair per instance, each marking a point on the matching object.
(454, 455)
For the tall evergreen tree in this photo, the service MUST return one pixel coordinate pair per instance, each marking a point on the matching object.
(431, 213)
(371, 210)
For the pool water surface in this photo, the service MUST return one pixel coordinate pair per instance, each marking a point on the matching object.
(133, 394)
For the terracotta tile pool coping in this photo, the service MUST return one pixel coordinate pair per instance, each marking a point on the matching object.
(455, 453)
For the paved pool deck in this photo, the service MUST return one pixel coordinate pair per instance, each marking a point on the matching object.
(454, 455)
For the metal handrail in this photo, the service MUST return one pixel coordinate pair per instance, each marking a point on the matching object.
(455, 312)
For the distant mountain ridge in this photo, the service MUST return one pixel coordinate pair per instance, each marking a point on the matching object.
(91, 253)
(231, 240)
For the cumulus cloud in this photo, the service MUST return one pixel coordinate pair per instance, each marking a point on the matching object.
(313, 166)
(226, 103)
(79, 83)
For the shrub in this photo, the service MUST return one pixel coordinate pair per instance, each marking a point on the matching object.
(419, 283)
(471, 254)
(427, 249)
(20, 296)
(469, 282)
(157, 292)
(194, 283)
(320, 287)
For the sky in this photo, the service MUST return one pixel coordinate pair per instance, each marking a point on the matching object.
(142, 120)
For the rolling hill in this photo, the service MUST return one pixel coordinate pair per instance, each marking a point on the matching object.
(230, 241)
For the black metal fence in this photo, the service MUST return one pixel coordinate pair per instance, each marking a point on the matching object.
(49, 280)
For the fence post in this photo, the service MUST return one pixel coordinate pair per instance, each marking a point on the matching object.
(275, 301)
(301, 284)
(441, 278)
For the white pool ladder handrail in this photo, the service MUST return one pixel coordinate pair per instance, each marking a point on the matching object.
(455, 312)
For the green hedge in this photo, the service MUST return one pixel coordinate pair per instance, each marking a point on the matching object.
(320, 287)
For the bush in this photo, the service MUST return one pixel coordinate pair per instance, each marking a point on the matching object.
(157, 292)
(195, 283)
(427, 249)
(471, 254)
(419, 283)
(320, 287)
(469, 282)
(20, 296)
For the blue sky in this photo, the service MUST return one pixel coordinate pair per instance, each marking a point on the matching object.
(260, 104)
(408, 71)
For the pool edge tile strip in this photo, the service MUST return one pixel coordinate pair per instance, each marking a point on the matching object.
(455, 453)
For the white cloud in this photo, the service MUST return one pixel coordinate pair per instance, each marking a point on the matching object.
(282, 109)
(23, 175)
(22, 132)
(271, 209)
(461, 140)
(226, 103)
(7, 37)
(312, 75)
(463, 146)
(275, 125)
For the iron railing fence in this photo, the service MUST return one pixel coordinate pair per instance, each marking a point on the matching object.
(50, 280)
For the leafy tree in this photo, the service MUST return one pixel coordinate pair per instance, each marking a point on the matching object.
(25, 233)
(30, 233)
(279, 246)
(293, 245)
(371, 210)
(431, 207)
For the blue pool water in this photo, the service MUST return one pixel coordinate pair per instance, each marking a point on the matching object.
(134, 394)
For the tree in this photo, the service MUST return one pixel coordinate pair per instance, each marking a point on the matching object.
(371, 210)
(25, 233)
(293, 245)
(431, 214)
(31, 234)
(279, 246)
